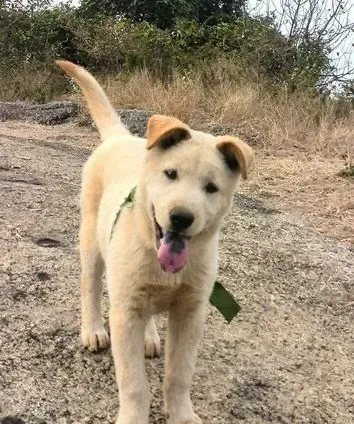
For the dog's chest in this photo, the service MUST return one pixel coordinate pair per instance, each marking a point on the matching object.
(160, 290)
(159, 298)
(169, 289)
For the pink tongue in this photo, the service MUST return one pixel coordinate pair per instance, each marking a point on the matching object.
(172, 254)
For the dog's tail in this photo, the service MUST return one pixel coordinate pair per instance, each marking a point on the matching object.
(102, 112)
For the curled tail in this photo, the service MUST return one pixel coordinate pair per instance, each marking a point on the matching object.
(102, 112)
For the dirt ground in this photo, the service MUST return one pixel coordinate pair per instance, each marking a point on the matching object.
(285, 254)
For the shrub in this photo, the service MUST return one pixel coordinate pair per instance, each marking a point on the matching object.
(242, 49)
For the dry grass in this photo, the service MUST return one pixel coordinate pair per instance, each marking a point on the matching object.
(28, 83)
(276, 122)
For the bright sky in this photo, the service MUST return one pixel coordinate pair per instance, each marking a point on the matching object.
(343, 54)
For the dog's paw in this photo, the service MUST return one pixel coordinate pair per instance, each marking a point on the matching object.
(152, 346)
(94, 337)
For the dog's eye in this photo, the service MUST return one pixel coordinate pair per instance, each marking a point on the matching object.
(211, 188)
(171, 174)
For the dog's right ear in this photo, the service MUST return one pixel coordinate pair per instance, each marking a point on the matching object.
(237, 154)
(165, 131)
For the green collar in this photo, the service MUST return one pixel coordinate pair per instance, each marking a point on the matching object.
(223, 301)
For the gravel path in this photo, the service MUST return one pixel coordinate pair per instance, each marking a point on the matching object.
(287, 358)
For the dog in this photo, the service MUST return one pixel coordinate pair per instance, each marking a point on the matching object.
(159, 251)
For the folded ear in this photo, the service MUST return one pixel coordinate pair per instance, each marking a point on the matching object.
(237, 154)
(165, 131)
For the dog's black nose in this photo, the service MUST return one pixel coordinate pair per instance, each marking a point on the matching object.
(181, 218)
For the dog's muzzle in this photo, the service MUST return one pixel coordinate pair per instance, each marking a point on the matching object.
(172, 246)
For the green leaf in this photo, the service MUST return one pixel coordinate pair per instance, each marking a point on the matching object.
(224, 302)
(128, 201)
(130, 198)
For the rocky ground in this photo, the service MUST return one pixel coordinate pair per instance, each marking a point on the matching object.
(286, 359)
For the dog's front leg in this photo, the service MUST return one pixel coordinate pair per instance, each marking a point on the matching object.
(185, 329)
(127, 337)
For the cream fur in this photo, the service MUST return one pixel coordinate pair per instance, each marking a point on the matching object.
(137, 286)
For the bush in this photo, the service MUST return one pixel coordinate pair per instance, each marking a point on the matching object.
(243, 49)
(164, 13)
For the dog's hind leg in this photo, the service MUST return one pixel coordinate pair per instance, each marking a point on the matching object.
(152, 339)
(93, 333)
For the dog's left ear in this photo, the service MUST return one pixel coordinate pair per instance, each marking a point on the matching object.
(237, 154)
(165, 131)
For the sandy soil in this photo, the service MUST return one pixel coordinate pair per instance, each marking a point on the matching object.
(287, 358)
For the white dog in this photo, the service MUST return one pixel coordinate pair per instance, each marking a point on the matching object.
(159, 251)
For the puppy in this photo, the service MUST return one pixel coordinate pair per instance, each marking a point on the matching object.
(159, 251)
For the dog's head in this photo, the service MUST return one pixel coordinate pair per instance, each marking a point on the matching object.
(190, 178)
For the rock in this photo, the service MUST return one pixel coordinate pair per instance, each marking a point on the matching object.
(60, 112)
(55, 113)
(135, 120)
(52, 113)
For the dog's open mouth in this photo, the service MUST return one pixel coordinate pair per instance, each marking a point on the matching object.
(172, 248)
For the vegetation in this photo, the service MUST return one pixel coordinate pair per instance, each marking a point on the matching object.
(163, 37)
(164, 13)
(210, 57)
